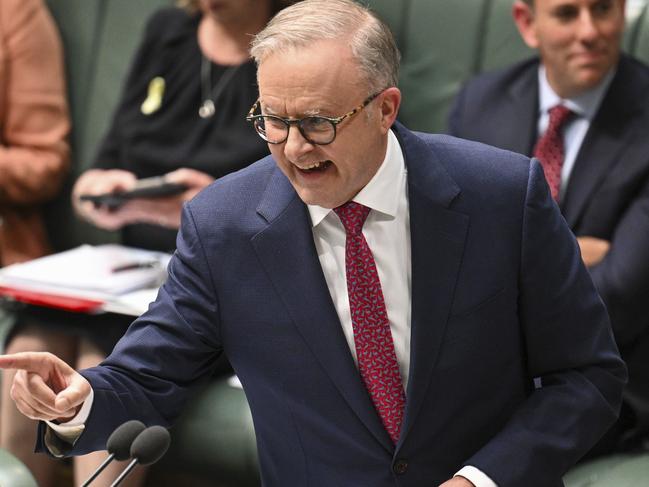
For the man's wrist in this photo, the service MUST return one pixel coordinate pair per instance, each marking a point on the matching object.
(476, 476)
(71, 430)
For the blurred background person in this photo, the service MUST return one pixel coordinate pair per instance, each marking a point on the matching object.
(581, 108)
(181, 116)
(34, 126)
(34, 151)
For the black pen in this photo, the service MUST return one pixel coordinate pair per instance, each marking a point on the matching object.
(135, 265)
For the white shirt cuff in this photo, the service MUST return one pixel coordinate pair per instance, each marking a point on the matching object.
(476, 476)
(71, 430)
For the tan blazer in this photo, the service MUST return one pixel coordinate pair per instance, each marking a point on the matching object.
(34, 125)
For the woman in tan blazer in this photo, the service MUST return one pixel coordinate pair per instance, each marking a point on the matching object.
(34, 152)
(34, 125)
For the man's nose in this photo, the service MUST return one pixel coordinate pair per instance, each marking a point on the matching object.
(587, 28)
(296, 145)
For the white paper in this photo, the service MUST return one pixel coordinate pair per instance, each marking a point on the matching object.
(89, 272)
(134, 303)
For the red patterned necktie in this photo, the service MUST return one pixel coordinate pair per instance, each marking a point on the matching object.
(549, 149)
(377, 360)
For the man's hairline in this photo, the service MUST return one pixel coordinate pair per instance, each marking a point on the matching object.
(361, 82)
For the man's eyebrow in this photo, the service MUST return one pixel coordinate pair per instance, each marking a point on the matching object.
(308, 113)
(267, 109)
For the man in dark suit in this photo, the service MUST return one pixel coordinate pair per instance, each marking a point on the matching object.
(603, 184)
(440, 344)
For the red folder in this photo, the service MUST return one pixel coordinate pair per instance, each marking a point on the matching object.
(68, 303)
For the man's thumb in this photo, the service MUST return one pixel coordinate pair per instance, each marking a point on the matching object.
(73, 395)
(62, 403)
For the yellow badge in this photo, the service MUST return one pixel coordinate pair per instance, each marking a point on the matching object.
(154, 96)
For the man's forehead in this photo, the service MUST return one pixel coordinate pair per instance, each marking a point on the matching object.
(327, 57)
(300, 88)
(329, 102)
(310, 79)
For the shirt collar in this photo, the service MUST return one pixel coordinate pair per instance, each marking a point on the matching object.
(383, 191)
(585, 104)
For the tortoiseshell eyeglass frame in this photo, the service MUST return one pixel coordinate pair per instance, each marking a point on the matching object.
(334, 121)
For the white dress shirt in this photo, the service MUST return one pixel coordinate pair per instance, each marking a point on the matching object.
(387, 231)
(584, 106)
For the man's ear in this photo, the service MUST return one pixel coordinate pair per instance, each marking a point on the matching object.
(524, 19)
(390, 101)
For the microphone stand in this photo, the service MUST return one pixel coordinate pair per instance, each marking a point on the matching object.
(124, 473)
(101, 468)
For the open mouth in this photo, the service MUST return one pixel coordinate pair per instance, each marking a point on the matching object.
(319, 166)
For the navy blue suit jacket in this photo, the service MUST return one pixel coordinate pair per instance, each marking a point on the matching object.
(607, 195)
(499, 296)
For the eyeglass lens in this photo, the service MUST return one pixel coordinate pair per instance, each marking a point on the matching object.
(318, 130)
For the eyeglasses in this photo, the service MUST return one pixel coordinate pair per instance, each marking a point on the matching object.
(315, 129)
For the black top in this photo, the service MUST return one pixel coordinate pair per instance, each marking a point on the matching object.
(174, 135)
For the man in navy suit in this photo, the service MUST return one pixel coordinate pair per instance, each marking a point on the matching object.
(603, 189)
(441, 345)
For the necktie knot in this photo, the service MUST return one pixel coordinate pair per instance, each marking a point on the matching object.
(559, 115)
(353, 216)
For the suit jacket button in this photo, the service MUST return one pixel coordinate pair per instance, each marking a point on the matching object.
(400, 466)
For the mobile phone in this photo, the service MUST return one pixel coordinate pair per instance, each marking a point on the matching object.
(155, 187)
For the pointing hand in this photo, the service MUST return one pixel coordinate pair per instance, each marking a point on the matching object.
(45, 387)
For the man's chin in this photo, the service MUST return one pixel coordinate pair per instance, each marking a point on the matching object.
(590, 77)
(318, 199)
(585, 78)
(595, 70)
(310, 198)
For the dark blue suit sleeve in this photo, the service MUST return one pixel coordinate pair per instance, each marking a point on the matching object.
(165, 354)
(569, 345)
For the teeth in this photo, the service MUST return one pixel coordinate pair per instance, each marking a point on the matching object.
(312, 166)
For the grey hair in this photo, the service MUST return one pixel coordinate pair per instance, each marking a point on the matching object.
(309, 21)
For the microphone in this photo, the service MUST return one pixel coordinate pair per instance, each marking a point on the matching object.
(119, 445)
(147, 448)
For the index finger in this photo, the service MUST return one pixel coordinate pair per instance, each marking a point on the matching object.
(30, 361)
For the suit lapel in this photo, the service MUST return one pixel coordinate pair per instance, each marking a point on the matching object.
(523, 107)
(597, 154)
(437, 241)
(606, 138)
(286, 250)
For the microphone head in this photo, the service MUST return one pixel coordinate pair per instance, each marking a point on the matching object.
(150, 445)
(120, 441)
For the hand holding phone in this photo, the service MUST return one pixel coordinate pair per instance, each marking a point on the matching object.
(113, 198)
(155, 187)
